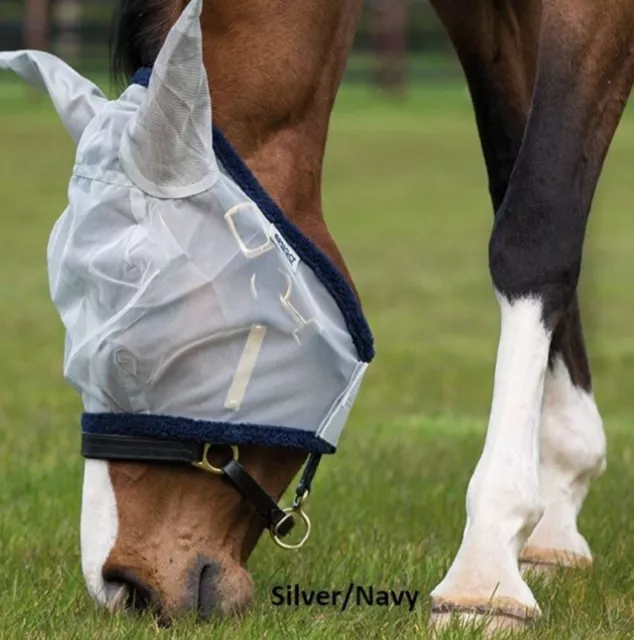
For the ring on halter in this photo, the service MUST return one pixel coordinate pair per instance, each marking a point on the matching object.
(295, 508)
(204, 463)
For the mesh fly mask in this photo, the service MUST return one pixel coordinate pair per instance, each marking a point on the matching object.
(196, 313)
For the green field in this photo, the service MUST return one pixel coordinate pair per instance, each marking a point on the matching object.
(405, 195)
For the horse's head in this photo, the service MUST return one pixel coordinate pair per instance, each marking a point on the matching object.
(213, 344)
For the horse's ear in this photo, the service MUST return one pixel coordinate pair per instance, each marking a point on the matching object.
(76, 99)
(167, 149)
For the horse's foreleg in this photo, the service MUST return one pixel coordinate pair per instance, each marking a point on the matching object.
(499, 60)
(584, 75)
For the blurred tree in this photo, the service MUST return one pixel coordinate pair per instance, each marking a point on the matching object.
(37, 24)
(68, 22)
(388, 23)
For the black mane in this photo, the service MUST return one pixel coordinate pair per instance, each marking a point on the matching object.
(138, 31)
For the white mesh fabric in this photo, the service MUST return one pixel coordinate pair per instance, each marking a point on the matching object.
(159, 298)
(167, 149)
(76, 99)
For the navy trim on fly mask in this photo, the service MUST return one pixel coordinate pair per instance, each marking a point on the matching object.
(326, 272)
(189, 430)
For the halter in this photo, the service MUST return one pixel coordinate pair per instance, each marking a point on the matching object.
(278, 521)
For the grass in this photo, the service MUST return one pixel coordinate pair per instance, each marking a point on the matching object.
(405, 195)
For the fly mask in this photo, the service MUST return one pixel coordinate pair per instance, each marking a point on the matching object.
(196, 313)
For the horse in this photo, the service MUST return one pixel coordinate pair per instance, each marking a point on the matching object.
(549, 80)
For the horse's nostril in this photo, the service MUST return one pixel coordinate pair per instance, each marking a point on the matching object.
(223, 589)
(208, 590)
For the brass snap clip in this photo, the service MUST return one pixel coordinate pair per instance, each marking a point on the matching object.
(295, 508)
(204, 463)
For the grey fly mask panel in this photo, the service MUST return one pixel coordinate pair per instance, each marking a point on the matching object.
(195, 312)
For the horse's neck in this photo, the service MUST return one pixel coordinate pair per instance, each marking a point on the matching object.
(274, 70)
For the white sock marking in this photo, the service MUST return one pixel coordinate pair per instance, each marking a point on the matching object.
(503, 498)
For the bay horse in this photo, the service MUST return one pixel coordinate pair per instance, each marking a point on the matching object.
(549, 80)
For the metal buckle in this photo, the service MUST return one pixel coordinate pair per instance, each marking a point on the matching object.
(295, 508)
(204, 462)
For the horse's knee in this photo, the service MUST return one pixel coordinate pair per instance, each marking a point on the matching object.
(534, 251)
